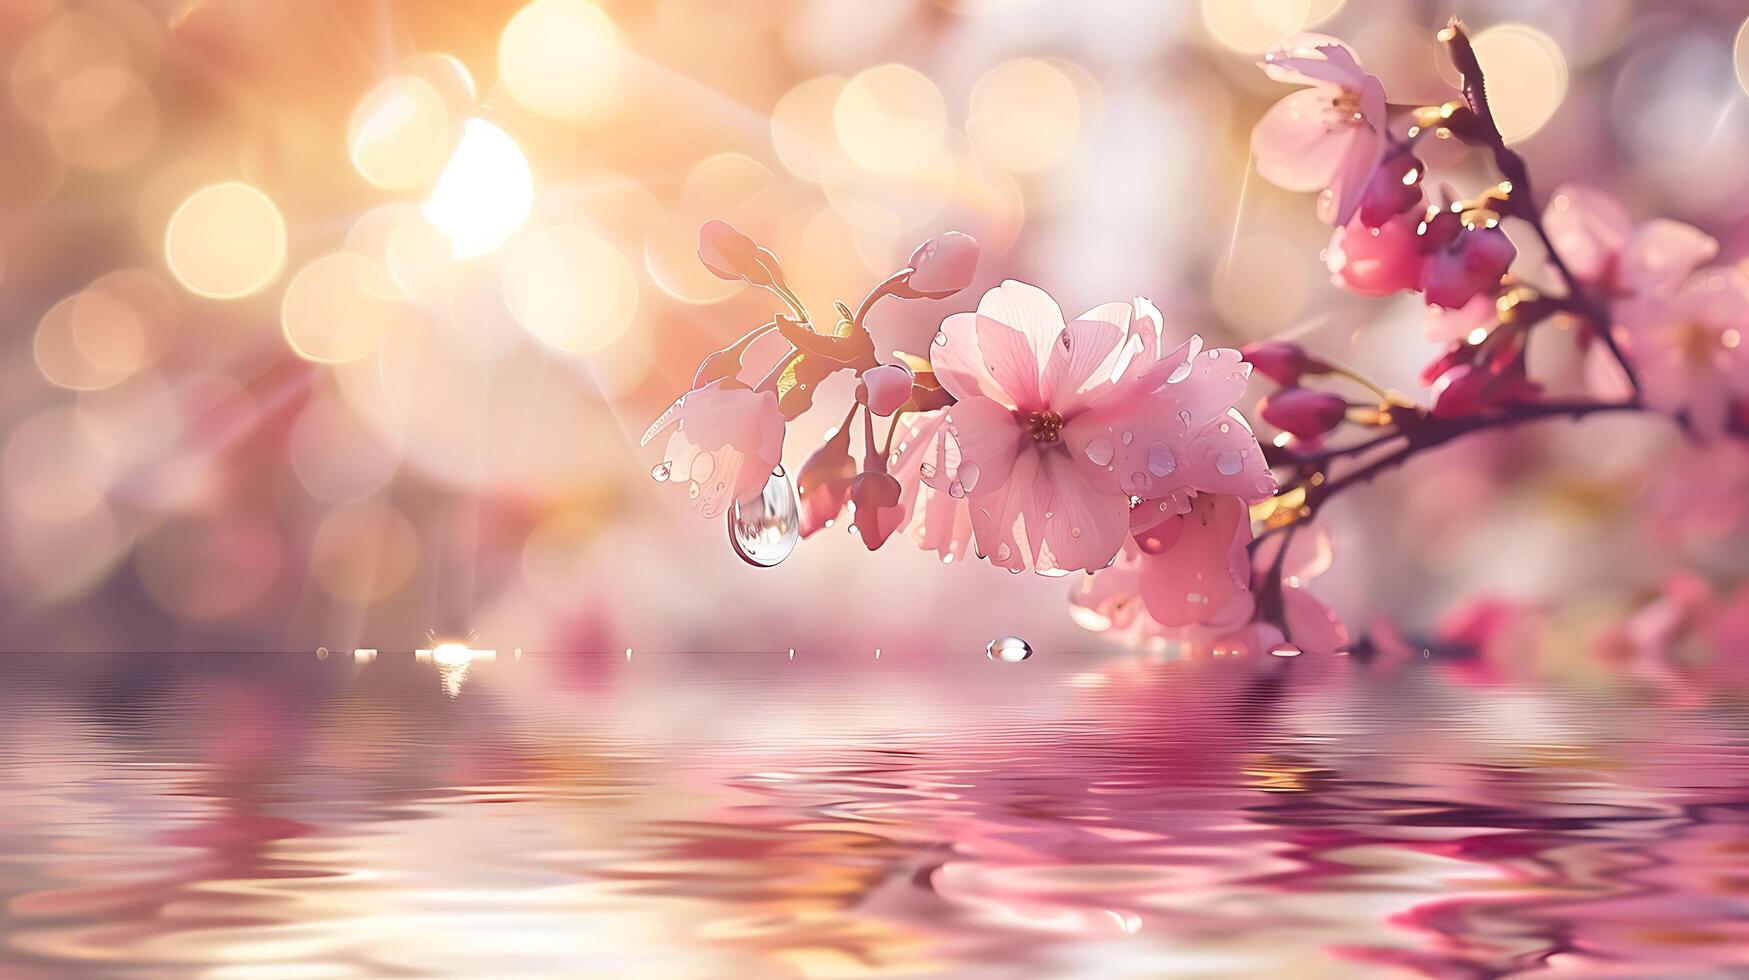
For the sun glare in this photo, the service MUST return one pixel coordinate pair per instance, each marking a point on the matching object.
(484, 194)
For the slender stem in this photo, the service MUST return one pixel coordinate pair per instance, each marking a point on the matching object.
(874, 296)
(1429, 432)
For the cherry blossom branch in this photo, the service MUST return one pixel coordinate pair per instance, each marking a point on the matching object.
(1425, 431)
(1521, 199)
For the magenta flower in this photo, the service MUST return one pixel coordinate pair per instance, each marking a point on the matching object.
(729, 440)
(1688, 348)
(1462, 261)
(1328, 136)
(1600, 245)
(1059, 425)
(1376, 261)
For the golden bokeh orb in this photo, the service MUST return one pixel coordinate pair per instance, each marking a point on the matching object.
(226, 241)
(560, 58)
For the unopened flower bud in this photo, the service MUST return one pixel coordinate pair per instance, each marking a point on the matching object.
(940, 267)
(728, 254)
(1376, 261)
(1306, 413)
(1469, 261)
(886, 388)
(1282, 361)
(1393, 188)
(876, 497)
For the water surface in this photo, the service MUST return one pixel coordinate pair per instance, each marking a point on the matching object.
(840, 816)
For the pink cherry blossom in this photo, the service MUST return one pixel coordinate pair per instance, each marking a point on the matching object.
(1593, 234)
(1688, 349)
(1376, 261)
(1328, 136)
(1462, 262)
(940, 520)
(728, 441)
(1059, 425)
(1195, 566)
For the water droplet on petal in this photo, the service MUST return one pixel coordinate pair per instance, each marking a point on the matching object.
(1128, 437)
(1179, 373)
(660, 471)
(1161, 462)
(692, 490)
(1184, 419)
(1074, 532)
(764, 529)
(956, 489)
(1008, 649)
(969, 473)
(941, 340)
(1230, 462)
(1099, 450)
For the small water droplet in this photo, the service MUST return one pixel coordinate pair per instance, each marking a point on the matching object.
(1099, 450)
(1184, 419)
(1003, 551)
(1284, 650)
(1161, 462)
(692, 490)
(941, 340)
(660, 471)
(1128, 437)
(1179, 373)
(1074, 532)
(321, 653)
(764, 529)
(956, 489)
(1230, 462)
(1008, 649)
(969, 474)
(927, 470)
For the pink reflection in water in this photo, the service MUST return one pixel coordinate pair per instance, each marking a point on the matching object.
(840, 816)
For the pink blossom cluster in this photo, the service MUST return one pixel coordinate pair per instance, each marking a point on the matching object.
(1110, 443)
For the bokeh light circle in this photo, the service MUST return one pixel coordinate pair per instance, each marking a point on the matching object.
(401, 134)
(1025, 115)
(890, 119)
(560, 58)
(484, 194)
(340, 307)
(569, 288)
(226, 241)
(1254, 26)
(1527, 77)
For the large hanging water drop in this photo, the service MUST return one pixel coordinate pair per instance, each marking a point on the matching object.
(764, 530)
(1008, 649)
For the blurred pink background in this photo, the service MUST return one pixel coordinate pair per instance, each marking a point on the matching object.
(337, 323)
